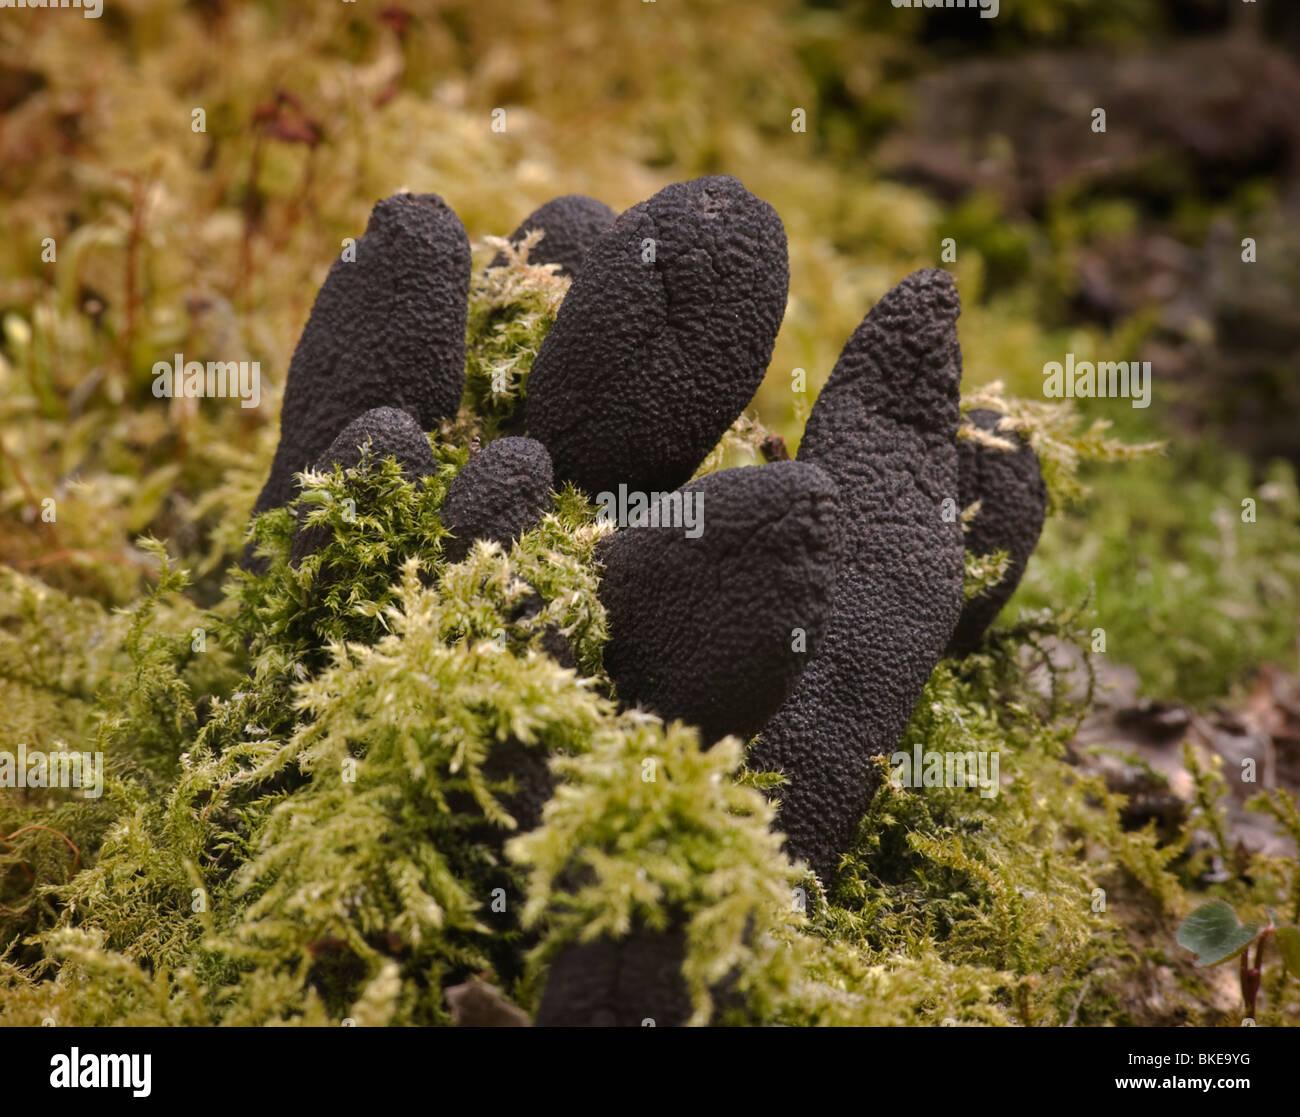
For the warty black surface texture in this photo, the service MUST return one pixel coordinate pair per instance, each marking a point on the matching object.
(572, 223)
(387, 329)
(648, 364)
(703, 629)
(884, 429)
(390, 433)
(1013, 504)
(503, 490)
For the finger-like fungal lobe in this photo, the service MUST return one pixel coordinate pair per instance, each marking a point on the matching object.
(390, 433)
(625, 982)
(884, 429)
(571, 224)
(662, 339)
(385, 432)
(504, 490)
(1008, 484)
(714, 612)
(387, 330)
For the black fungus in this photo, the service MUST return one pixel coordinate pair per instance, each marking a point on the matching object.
(504, 490)
(388, 433)
(1013, 504)
(521, 781)
(662, 339)
(387, 329)
(527, 768)
(618, 983)
(884, 429)
(572, 224)
(714, 613)
(553, 642)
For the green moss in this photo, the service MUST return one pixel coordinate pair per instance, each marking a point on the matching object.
(297, 822)
(1184, 585)
(511, 310)
(658, 829)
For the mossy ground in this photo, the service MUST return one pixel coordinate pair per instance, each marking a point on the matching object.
(296, 825)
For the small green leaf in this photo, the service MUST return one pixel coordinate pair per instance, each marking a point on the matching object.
(1214, 934)
(1288, 943)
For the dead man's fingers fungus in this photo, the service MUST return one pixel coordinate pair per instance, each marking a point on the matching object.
(382, 432)
(714, 612)
(571, 224)
(662, 339)
(618, 983)
(502, 491)
(1008, 484)
(387, 330)
(884, 430)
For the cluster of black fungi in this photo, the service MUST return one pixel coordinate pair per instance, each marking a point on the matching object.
(814, 604)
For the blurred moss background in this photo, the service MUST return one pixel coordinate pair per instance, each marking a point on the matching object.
(917, 127)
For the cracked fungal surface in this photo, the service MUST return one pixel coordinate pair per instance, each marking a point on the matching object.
(386, 432)
(884, 429)
(387, 329)
(1013, 505)
(504, 490)
(662, 339)
(715, 630)
(572, 224)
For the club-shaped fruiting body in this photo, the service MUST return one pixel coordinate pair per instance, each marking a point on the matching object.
(662, 339)
(502, 491)
(713, 623)
(572, 224)
(387, 330)
(390, 432)
(884, 429)
(387, 432)
(1013, 504)
(625, 982)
